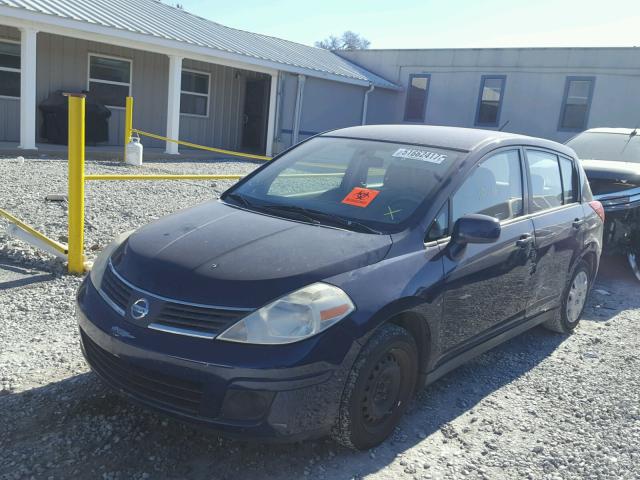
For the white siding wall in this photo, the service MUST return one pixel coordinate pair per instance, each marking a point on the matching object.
(534, 87)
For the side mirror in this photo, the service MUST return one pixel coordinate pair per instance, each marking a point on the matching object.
(476, 228)
(473, 228)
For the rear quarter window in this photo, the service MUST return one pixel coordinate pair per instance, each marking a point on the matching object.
(546, 182)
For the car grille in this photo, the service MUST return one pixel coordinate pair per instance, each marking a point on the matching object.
(118, 291)
(157, 388)
(199, 319)
(175, 317)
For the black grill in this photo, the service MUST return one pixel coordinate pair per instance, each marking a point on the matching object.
(157, 388)
(115, 289)
(200, 319)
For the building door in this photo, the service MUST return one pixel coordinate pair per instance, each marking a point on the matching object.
(256, 113)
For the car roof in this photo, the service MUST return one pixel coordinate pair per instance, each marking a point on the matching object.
(619, 131)
(454, 138)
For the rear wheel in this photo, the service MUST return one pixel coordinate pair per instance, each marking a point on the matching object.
(574, 299)
(378, 389)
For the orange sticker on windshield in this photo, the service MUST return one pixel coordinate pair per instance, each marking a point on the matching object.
(360, 197)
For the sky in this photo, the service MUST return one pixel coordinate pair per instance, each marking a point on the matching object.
(435, 24)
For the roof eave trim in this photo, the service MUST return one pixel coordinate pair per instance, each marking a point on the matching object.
(87, 31)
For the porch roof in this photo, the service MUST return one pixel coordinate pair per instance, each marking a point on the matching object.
(146, 20)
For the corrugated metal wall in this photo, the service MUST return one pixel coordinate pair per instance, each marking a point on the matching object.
(63, 64)
(534, 90)
(223, 126)
(9, 107)
(326, 105)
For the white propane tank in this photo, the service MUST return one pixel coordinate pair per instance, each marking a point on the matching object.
(134, 152)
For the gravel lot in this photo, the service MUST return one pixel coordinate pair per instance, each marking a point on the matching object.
(541, 406)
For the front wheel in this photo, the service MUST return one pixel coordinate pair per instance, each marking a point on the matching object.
(379, 388)
(633, 257)
(574, 299)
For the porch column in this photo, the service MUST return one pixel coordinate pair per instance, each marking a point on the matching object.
(271, 122)
(173, 103)
(297, 114)
(28, 37)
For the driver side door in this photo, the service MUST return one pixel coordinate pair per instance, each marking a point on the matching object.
(486, 288)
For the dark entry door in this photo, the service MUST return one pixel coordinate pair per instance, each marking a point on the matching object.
(256, 110)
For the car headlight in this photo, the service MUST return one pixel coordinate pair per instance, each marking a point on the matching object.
(294, 317)
(102, 260)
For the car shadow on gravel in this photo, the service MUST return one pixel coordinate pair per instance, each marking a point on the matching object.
(83, 430)
(77, 428)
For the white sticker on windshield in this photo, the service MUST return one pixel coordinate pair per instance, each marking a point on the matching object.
(423, 155)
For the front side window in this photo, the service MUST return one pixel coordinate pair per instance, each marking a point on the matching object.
(110, 80)
(381, 185)
(414, 110)
(578, 92)
(194, 93)
(9, 69)
(546, 182)
(439, 228)
(490, 100)
(494, 188)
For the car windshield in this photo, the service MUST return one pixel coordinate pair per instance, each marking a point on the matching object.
(616, 147)
(363, 185)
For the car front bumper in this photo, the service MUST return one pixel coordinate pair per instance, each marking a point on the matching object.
(275, 392)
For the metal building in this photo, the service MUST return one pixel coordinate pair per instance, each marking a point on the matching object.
(546, 92)
(190, 78)
(205, 83)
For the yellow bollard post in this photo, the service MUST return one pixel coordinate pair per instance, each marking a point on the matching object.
(128, 123)
(76, 182)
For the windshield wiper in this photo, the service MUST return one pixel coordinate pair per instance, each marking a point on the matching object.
(327, 217)
(240, 199)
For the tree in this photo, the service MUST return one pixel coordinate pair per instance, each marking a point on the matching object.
(347, 41)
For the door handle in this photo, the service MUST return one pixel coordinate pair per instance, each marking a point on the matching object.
(524, 240)
(578, 222)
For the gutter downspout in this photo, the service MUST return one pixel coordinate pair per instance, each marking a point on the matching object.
(365, 103)
(297, 115)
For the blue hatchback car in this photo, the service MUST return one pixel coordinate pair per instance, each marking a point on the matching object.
(323, 289)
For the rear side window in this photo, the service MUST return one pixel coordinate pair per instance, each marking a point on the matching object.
(546, 183)
(494, 188)
(569, 181)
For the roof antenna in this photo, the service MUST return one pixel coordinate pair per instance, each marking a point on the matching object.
(504, 125)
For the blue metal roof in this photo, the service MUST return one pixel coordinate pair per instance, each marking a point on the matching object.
(152, 17)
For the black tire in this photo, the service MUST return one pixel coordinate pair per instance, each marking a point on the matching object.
(388, 364)
(563, 321)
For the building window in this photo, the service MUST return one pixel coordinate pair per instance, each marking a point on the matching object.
(9, 69)
(490, 100)
(574, 114)
(414, 110)
(194, 93)
(110, 79)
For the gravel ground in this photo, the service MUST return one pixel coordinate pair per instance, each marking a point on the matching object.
(540, 406)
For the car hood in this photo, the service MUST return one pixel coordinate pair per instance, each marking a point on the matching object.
(610, 177)
(217, 254)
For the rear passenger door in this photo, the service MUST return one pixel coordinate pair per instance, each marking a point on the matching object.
(489, 285)
(558, 222)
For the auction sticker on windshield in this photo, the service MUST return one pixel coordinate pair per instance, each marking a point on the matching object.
(360, 197)
(423, 155)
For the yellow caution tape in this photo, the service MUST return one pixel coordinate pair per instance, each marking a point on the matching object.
(52, 243)
(201, 147)
(163, 177)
